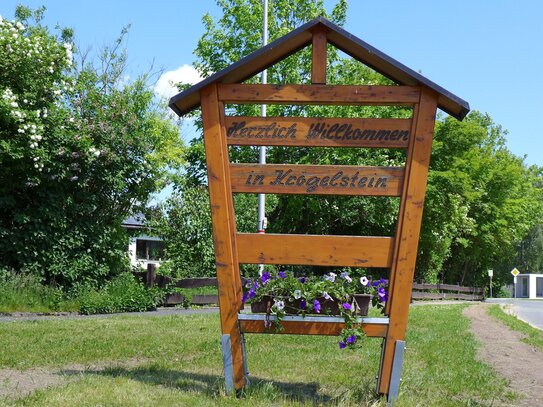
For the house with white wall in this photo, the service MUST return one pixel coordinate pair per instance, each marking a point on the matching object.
(529, 286)
(143, 249)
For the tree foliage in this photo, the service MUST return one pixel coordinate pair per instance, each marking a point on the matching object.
(481, 201)
(185, 227)
(79, 147)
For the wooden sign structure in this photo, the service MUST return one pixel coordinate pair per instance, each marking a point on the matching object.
(397, 253)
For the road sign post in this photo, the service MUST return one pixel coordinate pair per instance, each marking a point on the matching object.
(515, 273)
(490, 274)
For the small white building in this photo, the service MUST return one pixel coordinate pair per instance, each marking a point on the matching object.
(142, 249)
(529, 286)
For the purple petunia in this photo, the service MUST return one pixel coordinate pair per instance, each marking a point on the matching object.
(302, 280)
(351, 339)
(265, 277)
(381, 292)
(317, 306)
(244, 297)
(379, 282)
(303, 304)
(252, 293)
(342, 345)
(346, 306)
(282, 274)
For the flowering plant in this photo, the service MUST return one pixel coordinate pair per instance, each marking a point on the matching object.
(284, 293)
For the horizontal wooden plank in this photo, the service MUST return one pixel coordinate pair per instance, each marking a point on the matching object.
(204, 299)
(447, 287)
(316, 179)
(354, 251)
(319, 94)
(196, 282)
(417, 295)
(317, 132)
(312, 328)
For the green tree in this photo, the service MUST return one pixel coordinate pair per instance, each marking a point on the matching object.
(482, 200)
(185, 227)
(79, 148)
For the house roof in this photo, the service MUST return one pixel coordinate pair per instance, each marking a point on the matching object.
(299, 38)
(136, 221)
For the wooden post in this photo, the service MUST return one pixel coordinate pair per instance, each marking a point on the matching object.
(408, 231)
(151, 275)
(318, 53)
(224, 231)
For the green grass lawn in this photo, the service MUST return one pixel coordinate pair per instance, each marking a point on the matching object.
(533, 336)
(176, 361)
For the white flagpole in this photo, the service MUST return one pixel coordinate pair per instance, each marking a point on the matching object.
(262, 152)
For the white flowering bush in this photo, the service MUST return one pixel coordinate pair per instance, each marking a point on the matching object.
(78, 148)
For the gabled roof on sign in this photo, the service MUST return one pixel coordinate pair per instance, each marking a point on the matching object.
(297, 39)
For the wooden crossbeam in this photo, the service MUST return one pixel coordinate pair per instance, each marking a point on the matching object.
(312, 328)
(316, 179)
(317, 250)
(319, 94)
(317, 132)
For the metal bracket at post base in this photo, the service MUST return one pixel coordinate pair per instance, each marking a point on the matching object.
(396, 374)
(227, 363)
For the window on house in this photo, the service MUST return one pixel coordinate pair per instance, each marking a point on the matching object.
(539, 286)
(149, 249)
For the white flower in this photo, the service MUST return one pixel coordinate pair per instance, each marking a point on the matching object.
(297, 294)
(327, 296)
(364, 280)
(36, 166)
(51, 70)
(20, 26)
(36, 158)
(57, 92)
(71, 119)
(279, 305)
(331, 277)
(346, 277)
(14, 104)
(20, 130)
(15, 35)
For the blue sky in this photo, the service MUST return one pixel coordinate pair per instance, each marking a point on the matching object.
(489, 53)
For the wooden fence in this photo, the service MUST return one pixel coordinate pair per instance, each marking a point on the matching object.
(446, 292)
(151, 279)
(421, 291)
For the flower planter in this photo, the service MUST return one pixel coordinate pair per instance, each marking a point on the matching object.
(328, 307)
(362, 303)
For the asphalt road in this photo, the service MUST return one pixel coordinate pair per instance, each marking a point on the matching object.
(530, 311)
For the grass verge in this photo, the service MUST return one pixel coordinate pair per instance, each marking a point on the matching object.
(534, 336)
(176, 361)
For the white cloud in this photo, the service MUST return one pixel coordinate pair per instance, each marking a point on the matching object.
(165, 86)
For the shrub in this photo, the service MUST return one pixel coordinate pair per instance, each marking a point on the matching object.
(122, 294)
(24, 292)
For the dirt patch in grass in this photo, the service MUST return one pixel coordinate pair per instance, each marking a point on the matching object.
(19, 383)
(502, 348)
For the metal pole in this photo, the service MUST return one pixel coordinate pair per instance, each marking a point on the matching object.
(490, 286)
(262, 152)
